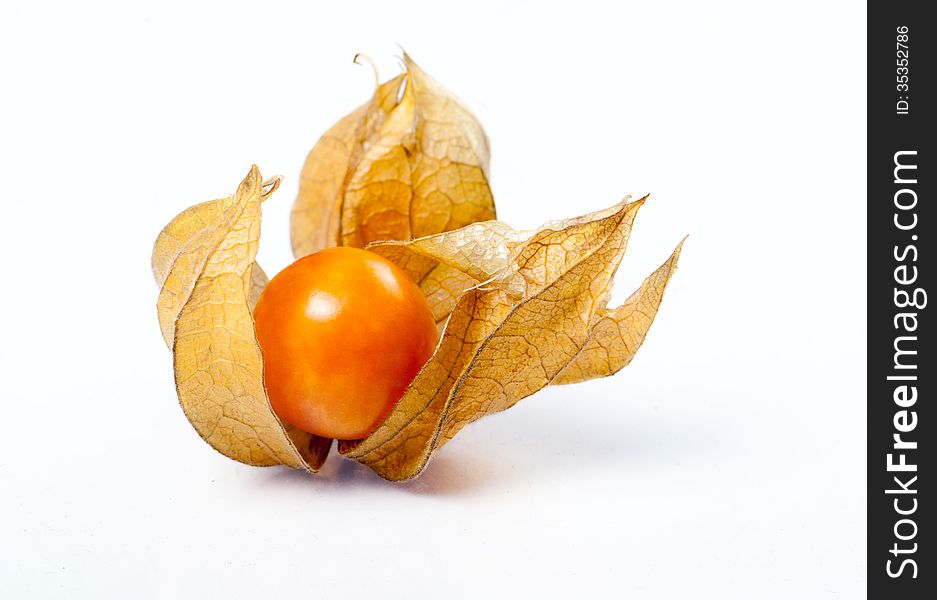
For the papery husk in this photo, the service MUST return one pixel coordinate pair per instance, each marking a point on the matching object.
(534, 313)
(411, 162)
(204, 262)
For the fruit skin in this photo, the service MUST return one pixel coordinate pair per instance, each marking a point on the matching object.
(343, 333)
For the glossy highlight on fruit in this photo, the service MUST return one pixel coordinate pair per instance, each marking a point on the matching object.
(343, 333)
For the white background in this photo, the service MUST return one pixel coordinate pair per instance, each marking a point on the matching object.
(728, 461)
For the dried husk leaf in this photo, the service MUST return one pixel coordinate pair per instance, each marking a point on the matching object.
(616, 334)
(529, 313)
(411, 162)
(316, 215)
(183, 247)
(446, 265)
(204, 260)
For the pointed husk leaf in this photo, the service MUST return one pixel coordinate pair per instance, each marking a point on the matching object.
(204, 260)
